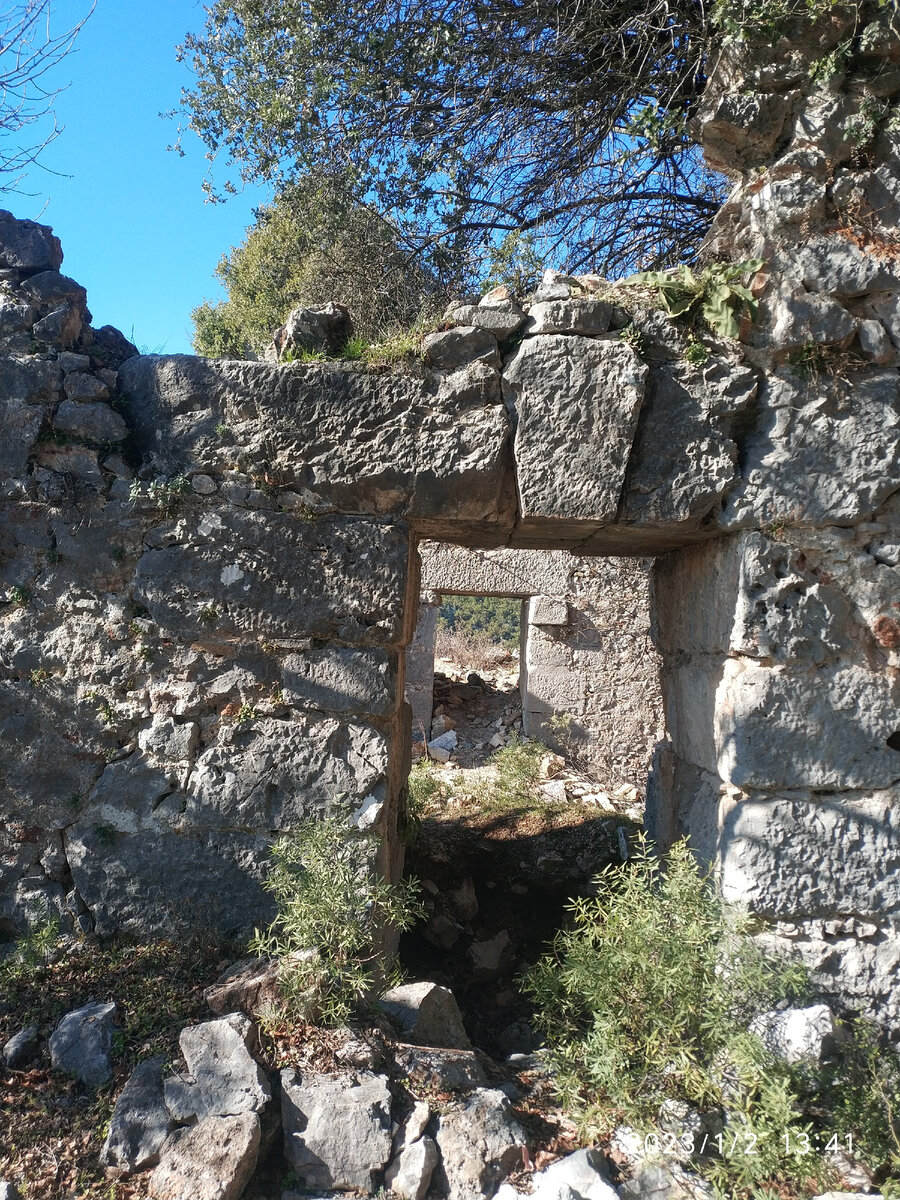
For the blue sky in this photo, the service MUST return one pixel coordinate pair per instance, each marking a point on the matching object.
(134, 226)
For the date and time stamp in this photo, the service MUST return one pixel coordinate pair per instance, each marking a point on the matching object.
(743, 1144)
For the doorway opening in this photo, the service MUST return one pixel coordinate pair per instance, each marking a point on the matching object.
(529, 762)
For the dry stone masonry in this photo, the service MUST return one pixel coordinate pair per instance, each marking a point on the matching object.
(210, 575)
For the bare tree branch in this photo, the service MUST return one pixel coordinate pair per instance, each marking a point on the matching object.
(29, 50)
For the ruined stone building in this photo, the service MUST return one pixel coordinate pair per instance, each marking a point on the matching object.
(210, 569)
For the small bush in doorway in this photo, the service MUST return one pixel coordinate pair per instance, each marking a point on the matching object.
(331, 909)
(649, 996)
(517, 767)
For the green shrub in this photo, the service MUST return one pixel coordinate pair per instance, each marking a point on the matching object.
(32, 951)
(649, 997)
(313, 244)
(716, 293)
(517, 766)
(332, 908)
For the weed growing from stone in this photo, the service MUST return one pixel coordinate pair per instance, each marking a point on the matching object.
(209, 614)
(696, 353)
(815, 362)
(163, 494)
(648, 999)
(18, 596)
(633, 337)
(245, 714)
(332, 909)
(715, 294)
(32, 951)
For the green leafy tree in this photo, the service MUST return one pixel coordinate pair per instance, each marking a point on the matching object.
(468, 121)
(313, 244)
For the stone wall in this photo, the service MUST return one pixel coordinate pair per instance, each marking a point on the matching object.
(586, 653)
(209, 572)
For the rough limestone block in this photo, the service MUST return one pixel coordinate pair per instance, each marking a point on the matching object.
(246, 986)
(21, 424)
(838, 267)
(796, 1034)
(339, 680)
(442, 1070)
(410, 1173)
(157, 882)
(80, 384)
(19, 1050)
(738, 131)
(273, 774)
(31, 381)
(502, 322)
(801, 854)
(94, 422)
(345, 439)
(447, 568)
(51, 289)
(685, 459)
(548, 610)
(822, 454)
(480, 1143)
(759, 597)
(585, 1173)
(337, 1132)
(82, 1042)
(62, 327)
(799, 318)
(453, 348)
(427, 1014)
(272, 575)
(774, 727)
(15, 318)
(419, 689)
(663, 1181)
(583, 315)
(27, 246)
(223, 1077)
(140, 1122)
(575, 402)
(212, 1160)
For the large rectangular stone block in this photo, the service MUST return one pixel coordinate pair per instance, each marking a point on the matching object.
(354, 441)
(575, 403)
(273, 575)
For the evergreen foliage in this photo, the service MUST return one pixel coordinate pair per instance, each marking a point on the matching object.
(332, 908)
(648, 998)
(312, 245)
(495, 617)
